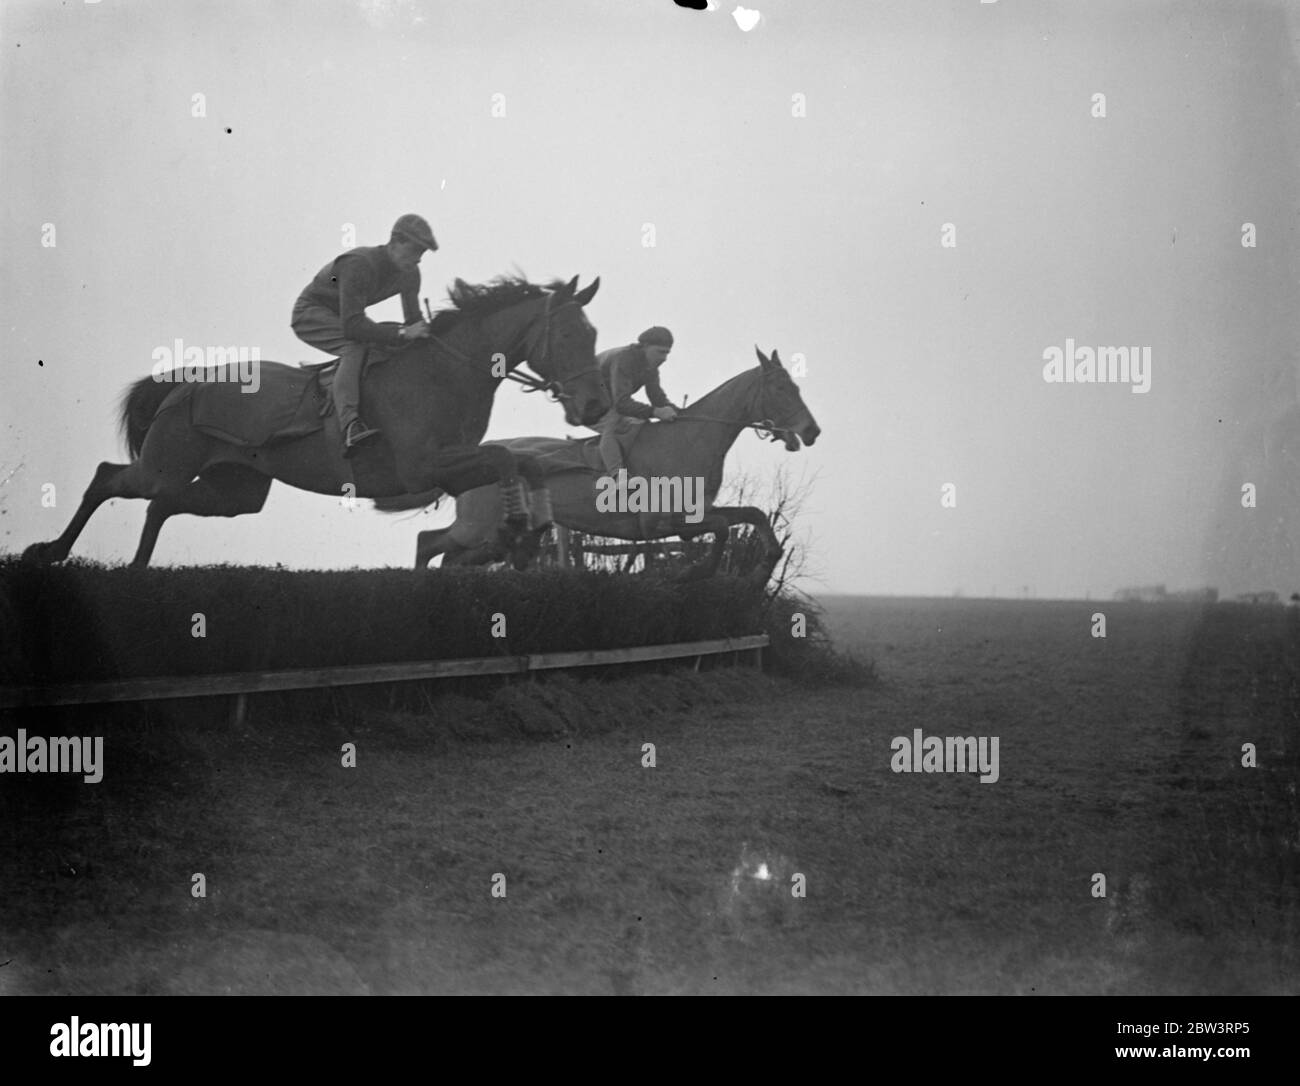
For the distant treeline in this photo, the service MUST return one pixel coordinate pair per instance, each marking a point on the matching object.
(1156, 594)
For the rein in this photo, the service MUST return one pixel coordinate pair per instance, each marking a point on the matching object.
(765, 428)
(554, 389)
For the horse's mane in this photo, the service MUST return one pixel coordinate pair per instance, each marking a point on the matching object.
(478, 300)
(702, 404)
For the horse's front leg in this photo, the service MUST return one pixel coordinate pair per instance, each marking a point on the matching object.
(540, 514)
(526, 543)
(720, 527)
(762, 524)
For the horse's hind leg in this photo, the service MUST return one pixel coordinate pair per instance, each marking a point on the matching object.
(110, 481)
(223, 490)
(458, 555)
(428, 545)
(171, 456)
(438, 541)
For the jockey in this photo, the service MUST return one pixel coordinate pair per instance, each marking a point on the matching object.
(331, 313)
(626, 370)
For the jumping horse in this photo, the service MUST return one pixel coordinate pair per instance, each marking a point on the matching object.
(432, 401)
(694, 446)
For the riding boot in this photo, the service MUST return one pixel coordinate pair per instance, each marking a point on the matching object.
(611, 451)
(347, 398)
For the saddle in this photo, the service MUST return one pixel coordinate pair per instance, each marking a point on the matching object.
(578, 453)
(325, 371)
(290, 402)
(557, 455)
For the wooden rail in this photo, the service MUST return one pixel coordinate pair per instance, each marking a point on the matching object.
(258, 682)
(654, 546)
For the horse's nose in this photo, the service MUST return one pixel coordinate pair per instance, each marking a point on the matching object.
(592, 410)
(811, 435)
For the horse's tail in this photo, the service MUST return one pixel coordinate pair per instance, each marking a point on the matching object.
(140, 402)
(402, 502)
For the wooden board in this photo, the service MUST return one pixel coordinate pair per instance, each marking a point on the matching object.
(255, 682)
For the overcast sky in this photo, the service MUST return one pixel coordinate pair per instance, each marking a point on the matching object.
(818, 234)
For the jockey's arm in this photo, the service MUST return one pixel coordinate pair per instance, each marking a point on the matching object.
(622, 384)
(654, 390)
(663, 408)
(354, 288)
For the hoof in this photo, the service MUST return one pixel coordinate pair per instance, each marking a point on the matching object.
(507, 539)
(40, 554)
(525, 552)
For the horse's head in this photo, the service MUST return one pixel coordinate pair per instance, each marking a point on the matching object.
(562, 351)
(782, 407)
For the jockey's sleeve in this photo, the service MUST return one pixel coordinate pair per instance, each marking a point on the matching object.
(355, 287)
(625, 378)
(411, 297)
(653, 389)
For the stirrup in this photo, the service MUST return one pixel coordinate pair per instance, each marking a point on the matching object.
(356, 435)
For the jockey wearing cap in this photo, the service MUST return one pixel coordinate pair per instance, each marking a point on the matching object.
(331, 313)
(625, 371)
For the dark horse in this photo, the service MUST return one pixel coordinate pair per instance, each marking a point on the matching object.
(432, 401)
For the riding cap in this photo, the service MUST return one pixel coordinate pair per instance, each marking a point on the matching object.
(655, 337)
(413, 228)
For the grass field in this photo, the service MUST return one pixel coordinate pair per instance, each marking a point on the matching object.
(1119, 755)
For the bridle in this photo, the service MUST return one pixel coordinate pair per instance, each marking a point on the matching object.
(765, 427)
(555, 390)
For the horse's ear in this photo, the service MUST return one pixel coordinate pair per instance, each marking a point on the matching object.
(762, 358)
(776, 359)
(563, 292)
(585, 295)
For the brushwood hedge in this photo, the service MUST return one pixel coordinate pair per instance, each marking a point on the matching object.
(82, 622)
